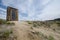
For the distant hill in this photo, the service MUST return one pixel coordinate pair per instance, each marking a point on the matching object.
(58, 19)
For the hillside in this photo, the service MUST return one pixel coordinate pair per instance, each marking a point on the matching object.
(36, 30)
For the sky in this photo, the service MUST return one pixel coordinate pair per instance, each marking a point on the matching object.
(32, 9)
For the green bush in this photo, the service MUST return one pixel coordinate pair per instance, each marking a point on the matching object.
(51, 38)
(58, 24)
(31, 27)
(9, 23)
(6, 34)
(6, 22)
(2, 21)
(29, 22)
(34, 25)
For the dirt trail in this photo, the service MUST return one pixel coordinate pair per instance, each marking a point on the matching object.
(21, 30)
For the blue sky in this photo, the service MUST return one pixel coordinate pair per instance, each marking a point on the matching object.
(32, 9)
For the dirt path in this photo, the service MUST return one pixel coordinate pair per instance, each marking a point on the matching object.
(20, 30)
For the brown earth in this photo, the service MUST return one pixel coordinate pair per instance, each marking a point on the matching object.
(24, 31)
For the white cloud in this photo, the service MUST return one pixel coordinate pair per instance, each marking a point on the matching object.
(52, 11)
(2, 13)
(36, 9)
(2, 9)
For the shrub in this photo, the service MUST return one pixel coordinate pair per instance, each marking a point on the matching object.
(6, 34)
(2, 21)
(34, 25)
(31, 27)
(29, 22)
(51, 38)
(58, 24)
(9, 23)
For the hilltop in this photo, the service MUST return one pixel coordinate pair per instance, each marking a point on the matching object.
(36, 30)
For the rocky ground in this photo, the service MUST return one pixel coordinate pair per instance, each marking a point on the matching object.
(24, 30)
(6, 32)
